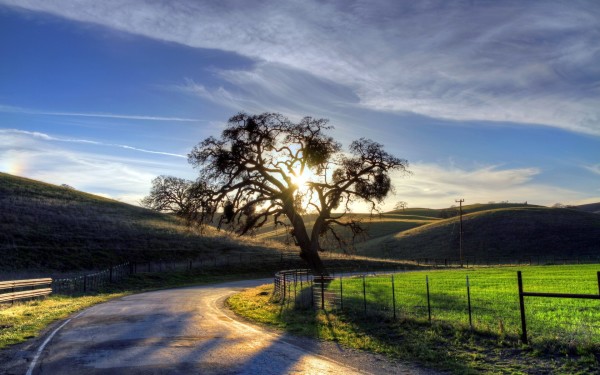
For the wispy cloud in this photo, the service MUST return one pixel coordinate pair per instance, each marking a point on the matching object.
(31, 155)
(12, 109)
(47, 137)
(434, 185)
(593, 168)
(275, 88)
(523, 62)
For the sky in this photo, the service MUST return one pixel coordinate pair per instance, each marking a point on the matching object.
(489, 101)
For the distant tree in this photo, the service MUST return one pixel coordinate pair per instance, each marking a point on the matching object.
(176, 195)
(401, 205)
(265, 166)
(558, 205)
(67, 187)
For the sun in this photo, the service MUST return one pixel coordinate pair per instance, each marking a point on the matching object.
(300, 180)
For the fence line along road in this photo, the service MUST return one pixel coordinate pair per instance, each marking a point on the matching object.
(91, 282)
(465, 301)
(522, 294)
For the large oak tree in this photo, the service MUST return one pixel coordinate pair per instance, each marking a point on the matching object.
(266, 167)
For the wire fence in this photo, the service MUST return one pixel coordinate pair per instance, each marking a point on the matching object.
(93, 281)
(486, 303)
(248, 262)
(529, 260)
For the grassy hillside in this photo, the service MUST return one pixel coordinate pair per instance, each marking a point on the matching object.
(503, 232)
(379, 227)
(43, 226)
(376, 226)
(592, 207)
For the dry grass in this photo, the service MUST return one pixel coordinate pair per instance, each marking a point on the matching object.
(45, 227)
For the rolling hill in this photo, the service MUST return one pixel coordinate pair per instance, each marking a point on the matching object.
(513, 232)
(44, 226)
(592, 207)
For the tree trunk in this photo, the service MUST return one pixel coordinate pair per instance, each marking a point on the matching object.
(314, 261)
(309, 251)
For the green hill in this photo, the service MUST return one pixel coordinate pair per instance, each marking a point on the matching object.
(514, 232)
(44, 226)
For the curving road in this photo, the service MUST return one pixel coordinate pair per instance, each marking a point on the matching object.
(188, 331)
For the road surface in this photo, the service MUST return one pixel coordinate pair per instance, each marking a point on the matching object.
(187, 331)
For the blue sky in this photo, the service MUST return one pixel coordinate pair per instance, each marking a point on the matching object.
(489, 100)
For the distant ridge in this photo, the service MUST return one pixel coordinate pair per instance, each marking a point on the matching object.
(502, 232)
(591, 207)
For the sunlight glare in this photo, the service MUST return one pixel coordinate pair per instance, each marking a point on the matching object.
(300, 180)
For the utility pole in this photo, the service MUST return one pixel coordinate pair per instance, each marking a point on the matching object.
(460, 202)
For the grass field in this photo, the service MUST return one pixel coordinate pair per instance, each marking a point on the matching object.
(494, 300)
(564, 334)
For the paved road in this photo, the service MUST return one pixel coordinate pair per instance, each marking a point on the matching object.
(187, 331)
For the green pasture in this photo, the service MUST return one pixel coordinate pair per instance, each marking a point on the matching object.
(494, 300)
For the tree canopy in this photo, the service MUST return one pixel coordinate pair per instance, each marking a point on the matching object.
(267, 167)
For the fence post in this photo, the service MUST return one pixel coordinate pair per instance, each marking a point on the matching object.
(284, 289)
(522, 307)
(428, 298)
(84, 283)
(393, 297)
(110, 274)
(312, 292)
(469, 302)
(322, 293)
(295, 283)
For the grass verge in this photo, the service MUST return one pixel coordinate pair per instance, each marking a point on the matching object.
(437, 345)
(25, 320)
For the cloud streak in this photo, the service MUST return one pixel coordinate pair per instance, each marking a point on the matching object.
(32, 155)
(593, 168)
(523, 62)
(434, 185)
(47, 137)
(11, 109)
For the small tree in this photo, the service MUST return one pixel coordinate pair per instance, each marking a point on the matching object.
(265, 166)
(401, 205)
